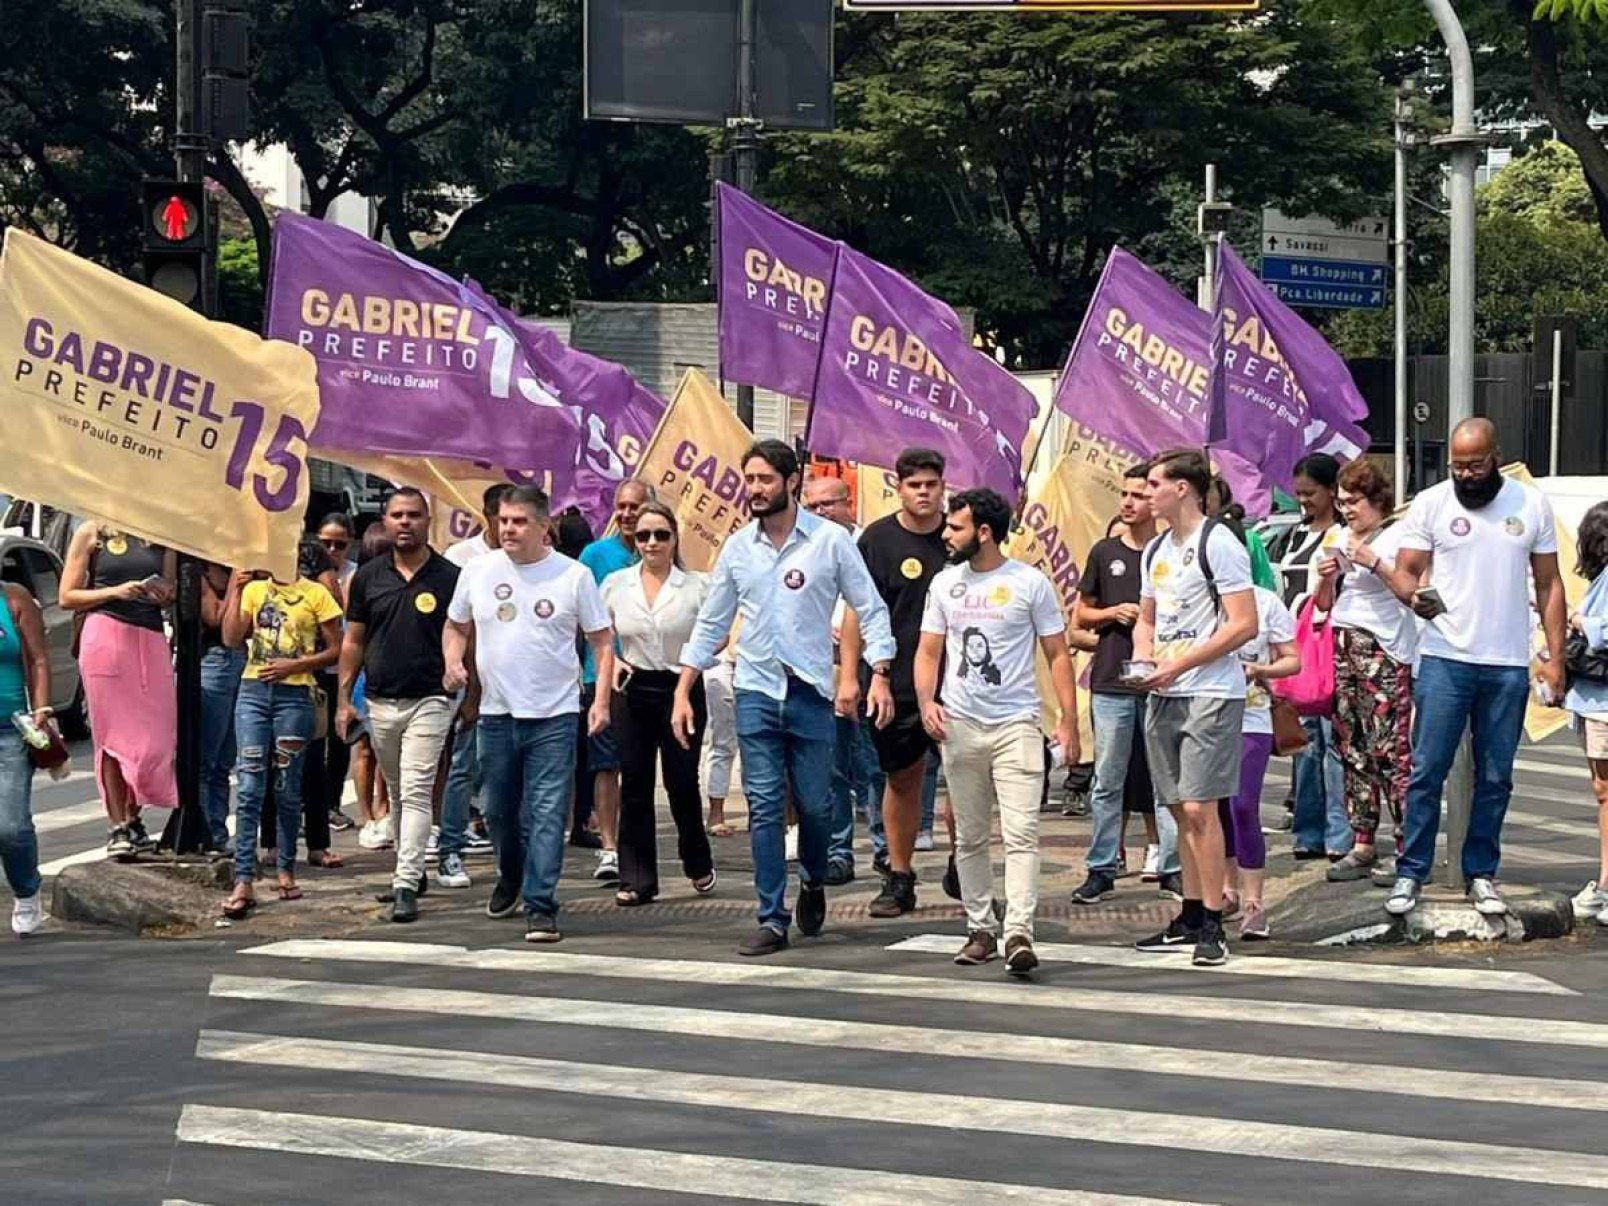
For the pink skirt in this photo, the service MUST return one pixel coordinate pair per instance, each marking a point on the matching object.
(133, 706)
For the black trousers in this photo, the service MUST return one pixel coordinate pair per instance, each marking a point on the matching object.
(646, 743)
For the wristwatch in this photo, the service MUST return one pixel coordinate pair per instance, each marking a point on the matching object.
(882, 670)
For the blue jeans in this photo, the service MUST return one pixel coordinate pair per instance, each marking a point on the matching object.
(463, 787)
(1448, 697)
(1117, 721)
(929, 803)
(272, 721)
(220, 685)
(527, 767)
(856, 778)
(786, 743)
(19, 847)
(1321, 821)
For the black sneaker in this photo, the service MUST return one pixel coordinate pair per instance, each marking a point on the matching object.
(1171, 886)
(951, 883)
(763, 941)
(504, 901)
(898, 896)
(1019, 956)
(541, 927)
(1176, 937)
(118, 844)
(585, 839)
(339, 821)
(137, 835)
(839, 873)
(811, 910)
(1099, 886)
(881, 865)
(389, 895)
(405, 908)
(1211, 949)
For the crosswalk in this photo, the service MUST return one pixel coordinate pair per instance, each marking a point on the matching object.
(852, 1074)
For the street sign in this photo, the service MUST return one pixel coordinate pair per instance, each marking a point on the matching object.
(1365, 241)
(1420, 412)
(1317, 296)
(1328, 272)
(1039, 6)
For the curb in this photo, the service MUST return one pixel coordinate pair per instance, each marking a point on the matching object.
(133, 897)
(1315, 913)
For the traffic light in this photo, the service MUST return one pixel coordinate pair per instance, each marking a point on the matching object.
(226, 72)
(174, 219)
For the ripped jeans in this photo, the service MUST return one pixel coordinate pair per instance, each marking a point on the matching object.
(273, 725)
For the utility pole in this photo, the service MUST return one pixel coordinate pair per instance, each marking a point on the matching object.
(745, 129)
(1400, 248)
(1210, 223)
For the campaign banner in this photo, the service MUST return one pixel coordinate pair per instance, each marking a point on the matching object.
(1278, 389)
(411, 362)
(775, 276)
(694, 463)
(124, 406)
(897, 371)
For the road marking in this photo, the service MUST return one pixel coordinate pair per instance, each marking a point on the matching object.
(70, 816)
(1044, 1119)
(1302, 969)
(57, 866)
(1241, 1011)
(603, 1164)
(1546, 824)
(1296, 1071)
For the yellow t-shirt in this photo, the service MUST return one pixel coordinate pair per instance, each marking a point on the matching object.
(284, 623)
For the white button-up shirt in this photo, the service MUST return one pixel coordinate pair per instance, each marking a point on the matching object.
(651, 636)
(786, 596)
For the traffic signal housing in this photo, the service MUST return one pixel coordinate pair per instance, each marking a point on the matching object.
(175, 221)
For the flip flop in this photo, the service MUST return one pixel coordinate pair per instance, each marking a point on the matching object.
(707, 884)
(326, 859)
(239, 910)
(720, 830)
(289, 892)
(628, 898)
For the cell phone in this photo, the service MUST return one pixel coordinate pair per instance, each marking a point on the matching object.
(1431, 596)
(622, 675)
(152, 581)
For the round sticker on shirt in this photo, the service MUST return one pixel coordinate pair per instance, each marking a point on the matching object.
(1460, 526)
(424, 603)
(116, 546)
(910, 568)
(957, 590)
(999, 596)
(544, 608)
(1513, 525)
(793, 579)
(1118, 568)
(1189, 556)
(502, 592)
(1159, 571)
(506, 612)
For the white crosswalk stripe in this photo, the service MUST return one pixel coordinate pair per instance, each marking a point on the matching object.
(756, 1045)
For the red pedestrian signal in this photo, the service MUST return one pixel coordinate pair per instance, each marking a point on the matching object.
(174, 218)
(177, 219)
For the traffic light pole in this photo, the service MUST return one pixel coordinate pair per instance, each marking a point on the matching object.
(745, 147)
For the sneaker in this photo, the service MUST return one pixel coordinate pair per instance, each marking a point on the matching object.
(811, 910)
(881, 865)
(1403, 896)
(898, 896)
(1211, 949)
(790, 844)
(1019, 956)
(477, 843)
(1253, 922)
(118, 843)
(405, 907)
(951, 881)
(389, 895)
(375, 835)
(586, 839)
(1353, 867)
(1152, 868)
(1099, 886)
(504, 901)
(1171, 886)
(1176, 937)
(138, 836)
(1074, 804)
(839, 873)
(27, 915)
(1383, 874)
(433, 846)
(542, 927)
(1487, 900)
(981, 946)
(339, 821)
(924, 840)
(608, 866)
(450, 873)
(1589, 901)
(763, 941)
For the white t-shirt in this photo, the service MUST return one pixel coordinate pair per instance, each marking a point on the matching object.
(992, 623)
(1186, 616)
(1480, 564)
(1365, 602)
(527, 618)
(465, 551)
(1274, 626)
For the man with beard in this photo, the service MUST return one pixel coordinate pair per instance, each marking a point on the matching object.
(1481, 536)
(986, 616)
(783, 573)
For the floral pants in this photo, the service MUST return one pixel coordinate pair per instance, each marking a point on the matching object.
(1373, 724)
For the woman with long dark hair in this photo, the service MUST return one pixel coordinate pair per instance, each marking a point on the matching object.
(326, 768)
(1587, 698)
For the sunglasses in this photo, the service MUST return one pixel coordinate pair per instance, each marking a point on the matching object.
(654, 535)
(336, 544)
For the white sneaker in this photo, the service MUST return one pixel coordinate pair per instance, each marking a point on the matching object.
(1403, 898)
(374, 836)
(1590, 901)
(924, 840)
(450, 873)
(27, 915)
(791, 843)
(1152, 869)
(608, 865)
(1487, 900)
(433, 846)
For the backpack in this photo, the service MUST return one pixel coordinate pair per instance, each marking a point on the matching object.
(1202, 559)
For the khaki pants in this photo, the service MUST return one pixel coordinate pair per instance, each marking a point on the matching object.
(409, 735)
(989, 765)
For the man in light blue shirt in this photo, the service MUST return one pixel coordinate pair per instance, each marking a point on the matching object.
(783, 573)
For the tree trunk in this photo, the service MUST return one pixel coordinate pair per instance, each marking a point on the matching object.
(227, 173)
(1568, 121)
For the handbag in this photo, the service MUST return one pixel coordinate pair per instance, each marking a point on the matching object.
(1289, 738)
(53, 755)
(1311, 689)
(320, 712)
(1581, 660)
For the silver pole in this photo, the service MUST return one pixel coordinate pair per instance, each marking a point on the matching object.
(1557, 396)
(745, 148)
(1401, 298)
(1208, 298)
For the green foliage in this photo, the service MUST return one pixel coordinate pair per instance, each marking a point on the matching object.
(1581, 10)
(240, 293)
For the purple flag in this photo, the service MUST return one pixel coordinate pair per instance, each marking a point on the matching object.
(410, 362)
(1278, 390)
(897, 371)
(774, 279)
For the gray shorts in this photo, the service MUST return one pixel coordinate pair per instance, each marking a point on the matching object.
(1193, 744)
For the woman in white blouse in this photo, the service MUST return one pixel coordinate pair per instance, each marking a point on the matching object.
(654, 604)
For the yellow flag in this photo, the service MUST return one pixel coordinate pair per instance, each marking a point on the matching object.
(876, 493)
(122, 405)
(453, 486)
(694, 463)
(1539, 722)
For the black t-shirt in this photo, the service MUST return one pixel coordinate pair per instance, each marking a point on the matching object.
(902, 563)
(1111, 577)
(403, 619)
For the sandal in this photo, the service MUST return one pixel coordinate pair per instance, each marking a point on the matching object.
(707, 884)
(238, 907)
(327, 859)
(630, 898)
(720, 829)
(290, 891)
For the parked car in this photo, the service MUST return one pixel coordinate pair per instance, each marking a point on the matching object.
(32, 565)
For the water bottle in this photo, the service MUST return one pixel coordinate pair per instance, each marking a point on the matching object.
(32, 733)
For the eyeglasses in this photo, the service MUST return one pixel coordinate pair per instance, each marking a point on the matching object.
(1470, 468)
(336, 544)
(817, 507)
(654, 535)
